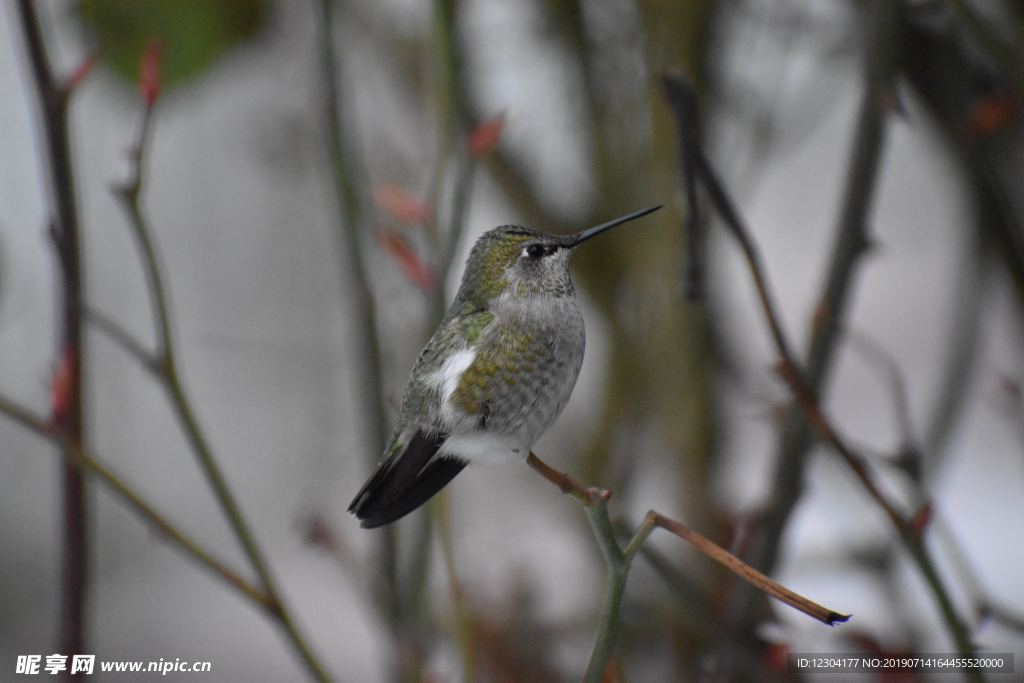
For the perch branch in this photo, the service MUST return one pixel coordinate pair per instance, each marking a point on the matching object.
(619, 558)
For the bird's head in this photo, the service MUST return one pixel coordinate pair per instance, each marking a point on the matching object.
(521, 262)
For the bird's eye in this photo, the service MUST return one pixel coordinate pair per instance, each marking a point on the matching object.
(536, 251)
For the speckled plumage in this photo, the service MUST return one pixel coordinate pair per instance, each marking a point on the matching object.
(528, 337)
(495, 375)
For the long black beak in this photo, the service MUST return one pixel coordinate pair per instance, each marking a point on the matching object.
(585, 235)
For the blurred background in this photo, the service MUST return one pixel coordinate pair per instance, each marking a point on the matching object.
(315, 174)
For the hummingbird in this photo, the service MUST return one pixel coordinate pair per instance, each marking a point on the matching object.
(494, 376)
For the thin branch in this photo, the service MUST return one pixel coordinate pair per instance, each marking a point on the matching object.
(53, 104)
(746, 572)
(1006, 56)
(789, 367)
(910, 456)
(566, 484)
(349, 180)
(969, 580)
(808, 403)
(81, 459)
(684, 105)
(962, 355)
(889, 371)
(123, 338)
(618, 571)
(619, 559)
(465, 631)
(454, 118)
(698, 606)
(851, 242)
(129, 193)
(595, 504)
(985, 606)
(349, 176)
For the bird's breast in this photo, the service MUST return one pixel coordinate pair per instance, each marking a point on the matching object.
(515, 381)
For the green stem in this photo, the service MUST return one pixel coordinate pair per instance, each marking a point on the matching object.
(618, 560)
(350, 178)
(595, 504)
(349, 183)
(168, 371)
(455, 115)
(233, 512)
(454, 118)
(611, 611)
(930, 573)
(464, 623)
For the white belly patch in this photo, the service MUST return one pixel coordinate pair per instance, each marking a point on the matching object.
(485, 447)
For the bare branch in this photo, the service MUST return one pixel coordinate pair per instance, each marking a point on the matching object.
(566, 484)
(129, 195)
(53, 115)
(851, 242)
(619, 559)
(123, 338)
(746, 572)
(80, 458)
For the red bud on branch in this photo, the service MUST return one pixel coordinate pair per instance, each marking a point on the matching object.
(61, 386)
(990, 115)
(78, 75)
(484, 137)
(149, 72)
(401, 204)
(411, 264)
(920, 521)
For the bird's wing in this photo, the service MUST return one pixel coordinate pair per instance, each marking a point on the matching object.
(410, 474)
(420, 404)
(404, 482)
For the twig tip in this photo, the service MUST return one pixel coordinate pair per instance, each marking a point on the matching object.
(834, 618)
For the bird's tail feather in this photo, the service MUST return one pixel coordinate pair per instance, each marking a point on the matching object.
(404, 482)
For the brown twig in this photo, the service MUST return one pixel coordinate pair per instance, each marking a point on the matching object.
(595, 495)
(566, 484)
(851, 242)
(68, 417)
(789, 367)
(745, 571)
(619, 559)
